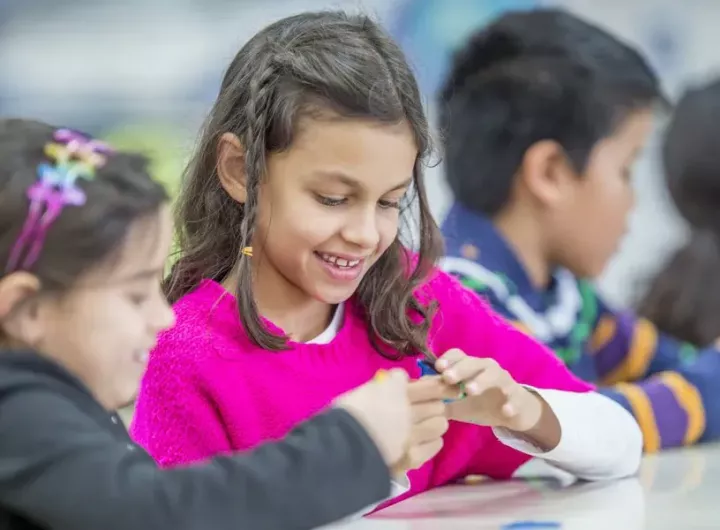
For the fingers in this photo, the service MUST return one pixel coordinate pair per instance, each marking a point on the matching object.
(490, 378)
(417, 455)
(398, 374)
(426, 410)
(395, 376)
(429, 426)
(431, 388)
(477, 375)
(391, 382)
(467, 368)
(429, 430)
(449, 358)
(457, 410)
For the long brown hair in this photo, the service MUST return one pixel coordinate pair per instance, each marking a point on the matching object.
(327, 61)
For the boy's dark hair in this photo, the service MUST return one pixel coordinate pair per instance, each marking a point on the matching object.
(690, 156)
(531, 76)
(326, 62)
(684, 298)
(81, 237)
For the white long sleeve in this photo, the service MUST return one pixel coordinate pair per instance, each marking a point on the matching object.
(599, 439)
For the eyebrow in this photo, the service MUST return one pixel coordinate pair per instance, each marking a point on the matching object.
(145, 274)
(355, 183)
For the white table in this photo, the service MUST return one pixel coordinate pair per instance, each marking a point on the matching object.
(676, 490)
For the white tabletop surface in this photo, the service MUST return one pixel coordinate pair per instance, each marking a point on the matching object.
(676, 490)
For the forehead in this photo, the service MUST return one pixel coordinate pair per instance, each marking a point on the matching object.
(145, 247)
(631, 134)
(373, 153)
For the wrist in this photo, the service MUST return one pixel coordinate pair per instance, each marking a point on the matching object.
(542, 428)
(530, 416)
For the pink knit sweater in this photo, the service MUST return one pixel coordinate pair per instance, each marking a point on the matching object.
(209, 390)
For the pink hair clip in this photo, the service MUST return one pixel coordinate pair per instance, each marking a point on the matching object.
(75, 156)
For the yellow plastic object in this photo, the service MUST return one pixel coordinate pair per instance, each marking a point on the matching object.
(381, 375)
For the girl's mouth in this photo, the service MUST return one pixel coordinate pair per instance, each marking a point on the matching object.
(341, 263)
(341, 268)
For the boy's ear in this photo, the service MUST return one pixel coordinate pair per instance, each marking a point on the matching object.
(546, 172)
(18, 312)
(231, 167)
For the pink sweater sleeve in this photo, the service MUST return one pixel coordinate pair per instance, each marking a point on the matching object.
(175, 419)
(465, 321)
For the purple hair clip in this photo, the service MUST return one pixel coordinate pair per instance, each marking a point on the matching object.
(74, 156)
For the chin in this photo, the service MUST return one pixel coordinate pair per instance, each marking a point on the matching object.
(126, 395)
(334, 296)
(334, 299)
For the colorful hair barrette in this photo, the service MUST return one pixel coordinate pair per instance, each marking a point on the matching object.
(73, 156)
(247, 251)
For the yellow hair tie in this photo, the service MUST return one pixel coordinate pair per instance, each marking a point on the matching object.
(247, 251)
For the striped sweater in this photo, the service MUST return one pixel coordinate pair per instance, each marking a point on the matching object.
(672, 388)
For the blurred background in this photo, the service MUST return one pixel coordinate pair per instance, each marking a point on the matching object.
(143, 73)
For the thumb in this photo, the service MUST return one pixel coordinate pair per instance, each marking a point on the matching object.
(398, 374)
(398, 378)
(394, 381)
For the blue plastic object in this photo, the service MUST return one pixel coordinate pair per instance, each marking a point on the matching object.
(428, 369)
(538, 525)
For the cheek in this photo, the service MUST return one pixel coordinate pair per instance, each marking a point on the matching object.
(388, 225)
(618, 202)
(292, 220)
(606, 212)
(111, 320)
(608, 195)
(295, 234)
(85, 335)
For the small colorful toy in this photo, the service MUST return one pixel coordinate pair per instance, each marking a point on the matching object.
(426, 368)
(380, 376)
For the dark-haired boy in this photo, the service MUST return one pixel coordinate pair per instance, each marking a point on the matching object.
(544, 116)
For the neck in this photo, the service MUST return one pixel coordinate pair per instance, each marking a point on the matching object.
(300, 316)
(523, 236)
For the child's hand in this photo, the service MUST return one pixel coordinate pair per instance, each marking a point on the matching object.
(494, 398)
(429, 421)
(383, 408)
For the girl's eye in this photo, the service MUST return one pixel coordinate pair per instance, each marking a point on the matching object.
(138, 299)
(330, 201)
(386, 205)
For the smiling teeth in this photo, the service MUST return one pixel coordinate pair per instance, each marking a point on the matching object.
(340, 262)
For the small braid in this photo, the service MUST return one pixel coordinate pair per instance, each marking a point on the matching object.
(257, 110)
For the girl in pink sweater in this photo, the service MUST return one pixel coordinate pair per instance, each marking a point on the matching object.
(293, 284)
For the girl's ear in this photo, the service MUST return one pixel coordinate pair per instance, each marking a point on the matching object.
(19, 314)
(231, 167)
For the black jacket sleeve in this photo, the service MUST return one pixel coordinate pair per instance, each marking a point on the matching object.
(59, 468)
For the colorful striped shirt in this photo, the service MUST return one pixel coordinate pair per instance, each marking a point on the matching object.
(672, 388)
